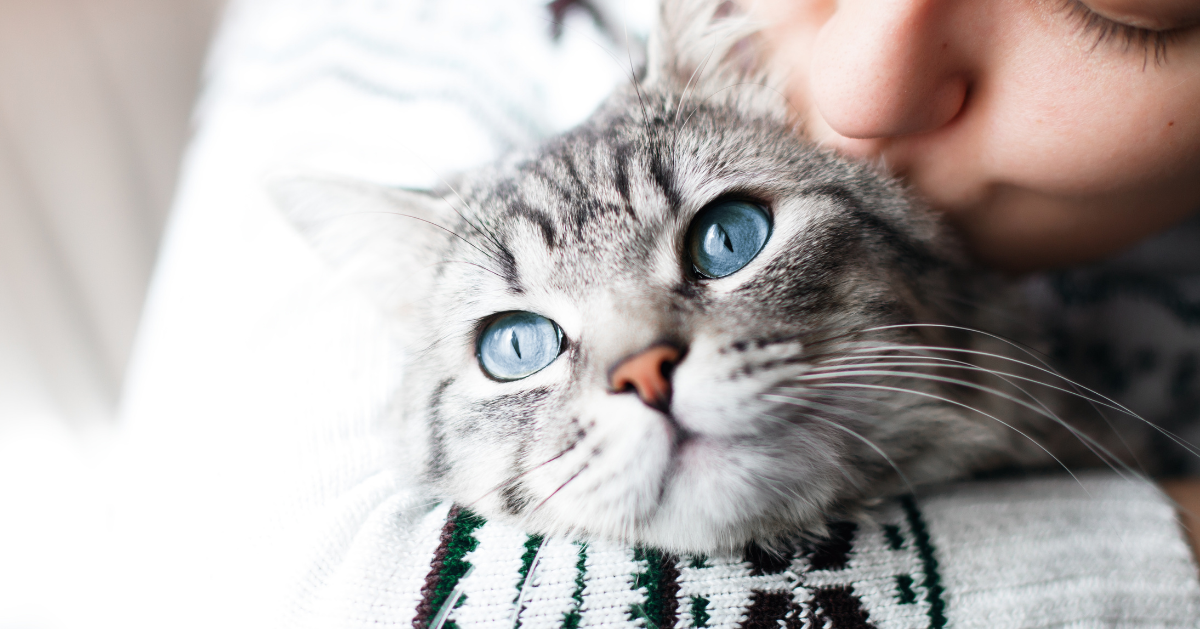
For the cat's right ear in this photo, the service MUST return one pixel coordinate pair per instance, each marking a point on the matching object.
(382, 239)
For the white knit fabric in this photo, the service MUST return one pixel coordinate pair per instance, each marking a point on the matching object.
(264, 484)
(1057, 553)
(1097, 552)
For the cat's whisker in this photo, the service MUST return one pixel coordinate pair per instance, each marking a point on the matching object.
(796, 401)
(729, 87)
(873, 369)
(1094, 396)
(1088, 441)
(683, 94)
(1036, 355)
(633, 80)
(834, 462)
(852, 357)
(479, 266)
(432, 345)
(959, 404)
(874, 347)
(958, 350)
(560, 487)
(826, 394)
(441, 227)
(486, 233)
(946, 326)
(949, 363)
(438, 175)
(637, 89)
(630, 72)
(944, 363)
(836, 395)
(1095, 401)
(527, 585)
(513, 479)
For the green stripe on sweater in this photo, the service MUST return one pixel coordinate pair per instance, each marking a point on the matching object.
(571, 619)
(933, 581)
(462, 541)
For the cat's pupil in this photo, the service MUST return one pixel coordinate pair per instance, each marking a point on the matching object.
(726, 236)
(517, 345)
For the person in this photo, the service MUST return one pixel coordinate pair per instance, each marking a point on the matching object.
(1048, 132)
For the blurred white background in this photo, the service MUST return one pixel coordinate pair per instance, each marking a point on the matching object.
(95, 100)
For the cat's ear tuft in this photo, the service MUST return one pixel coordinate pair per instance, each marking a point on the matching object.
(384, 240)
(708, 48)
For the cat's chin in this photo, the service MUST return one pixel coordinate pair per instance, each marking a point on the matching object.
(718, 502)
(716, 495)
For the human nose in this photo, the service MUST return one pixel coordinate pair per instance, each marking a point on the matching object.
(884, 68)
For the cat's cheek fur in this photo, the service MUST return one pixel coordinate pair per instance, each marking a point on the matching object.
(606, 473)
(720, 388)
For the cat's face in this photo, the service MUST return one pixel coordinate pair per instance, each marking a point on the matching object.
(641, 331)
(587, 373)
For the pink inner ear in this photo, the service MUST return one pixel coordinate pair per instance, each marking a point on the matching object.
(726, 9)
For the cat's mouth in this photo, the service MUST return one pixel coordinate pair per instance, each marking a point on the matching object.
(680, 435)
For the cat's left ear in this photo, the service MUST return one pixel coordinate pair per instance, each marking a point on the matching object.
(708, 49)
(385, 240)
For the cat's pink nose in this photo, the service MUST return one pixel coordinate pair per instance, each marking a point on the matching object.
(648, 373)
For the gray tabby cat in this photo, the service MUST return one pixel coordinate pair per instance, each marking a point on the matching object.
(680, 324)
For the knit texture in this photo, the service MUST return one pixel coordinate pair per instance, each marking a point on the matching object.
(1049, 552)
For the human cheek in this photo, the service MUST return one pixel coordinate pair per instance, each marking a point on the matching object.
(1085, 124)
(1052, 114)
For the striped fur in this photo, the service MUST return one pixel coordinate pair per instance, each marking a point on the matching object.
(588, 231)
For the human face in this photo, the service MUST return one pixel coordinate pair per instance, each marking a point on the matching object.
(1049, 131)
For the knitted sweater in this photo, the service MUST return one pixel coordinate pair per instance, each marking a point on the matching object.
(1051, 552)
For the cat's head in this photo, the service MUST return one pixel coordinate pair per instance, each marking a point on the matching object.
(644, 329)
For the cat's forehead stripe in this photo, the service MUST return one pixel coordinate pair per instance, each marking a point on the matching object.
(508, 263)
(621, 174)
(541, 219)
(568, 193)
(665, 180)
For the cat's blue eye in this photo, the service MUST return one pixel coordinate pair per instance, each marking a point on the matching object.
(726, 236)
(518, 345)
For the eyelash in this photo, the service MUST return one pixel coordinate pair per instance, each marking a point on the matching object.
(1104, 29)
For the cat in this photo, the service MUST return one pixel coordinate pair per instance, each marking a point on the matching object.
(683, 325)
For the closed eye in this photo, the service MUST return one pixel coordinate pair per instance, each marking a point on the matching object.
(1106, 29)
